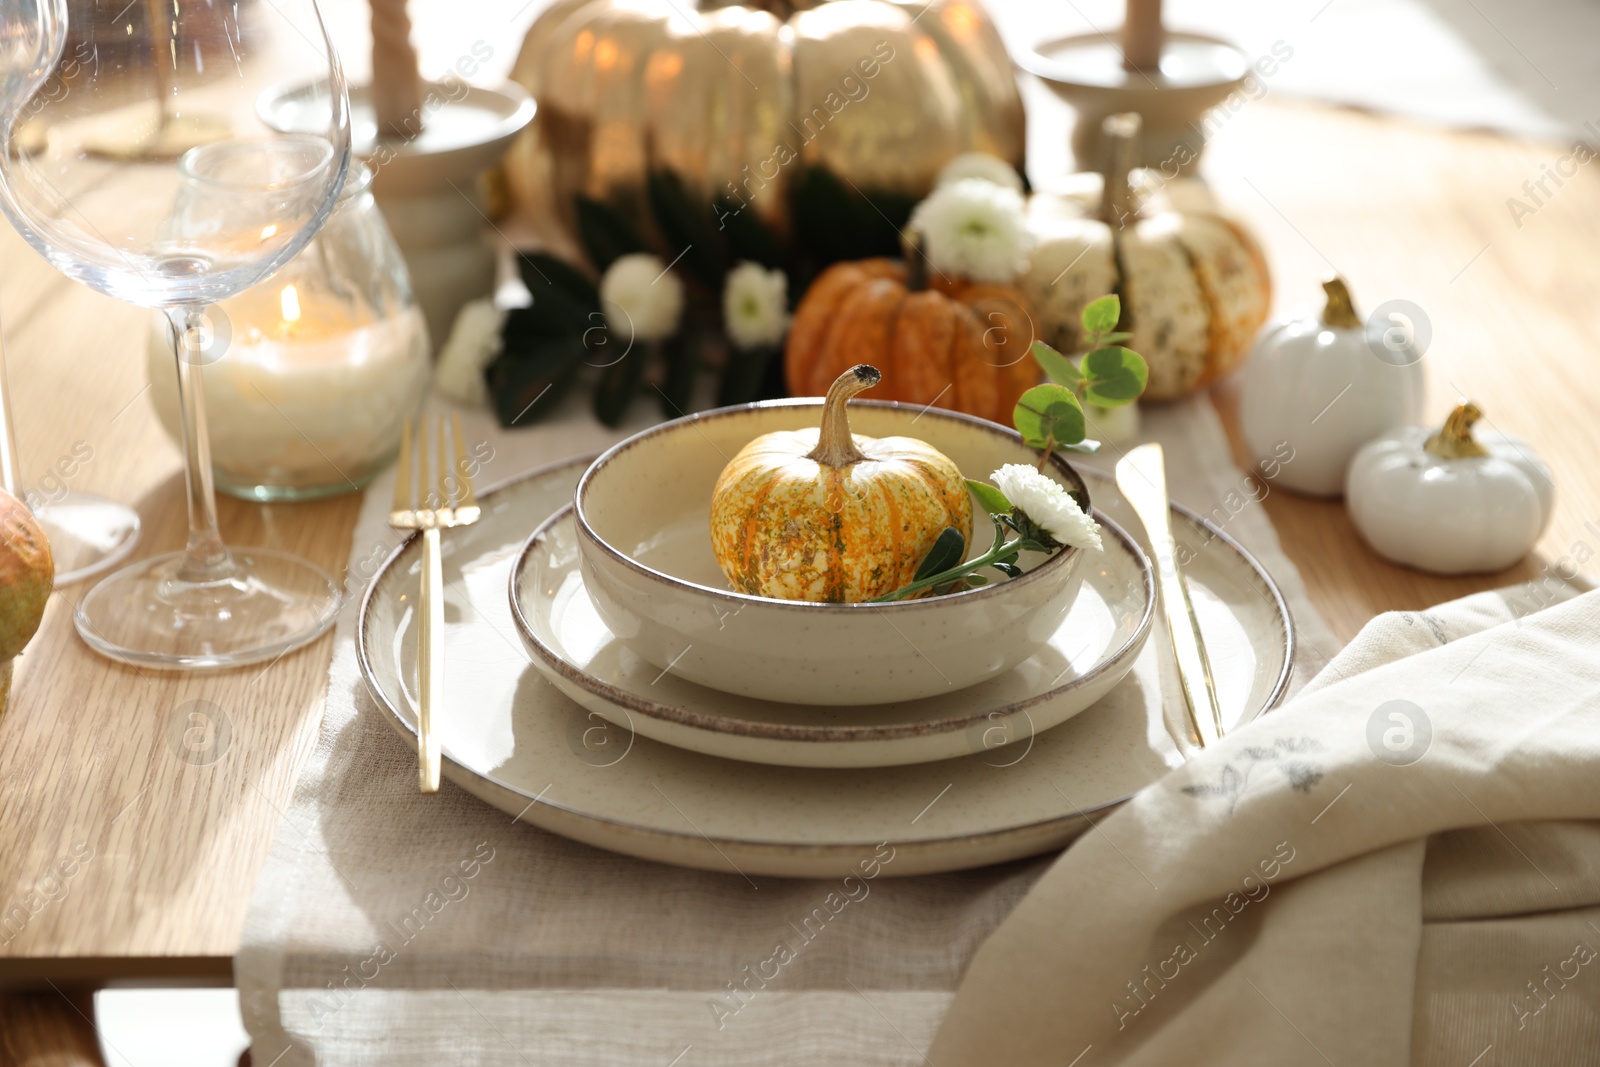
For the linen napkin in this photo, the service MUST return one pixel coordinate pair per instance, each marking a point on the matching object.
(1402, 866)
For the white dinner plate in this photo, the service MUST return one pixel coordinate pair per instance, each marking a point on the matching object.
(512, 739)
(1091, 652)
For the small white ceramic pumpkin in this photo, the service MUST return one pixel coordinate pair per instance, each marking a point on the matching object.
(1319, 386)
(1450, 502)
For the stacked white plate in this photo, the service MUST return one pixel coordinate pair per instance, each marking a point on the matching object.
(587, 740)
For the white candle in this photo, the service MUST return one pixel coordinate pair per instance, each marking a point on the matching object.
(1142, 35)
(303, 398)
(396, 85)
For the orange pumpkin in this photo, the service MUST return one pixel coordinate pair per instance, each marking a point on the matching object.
(952, 344)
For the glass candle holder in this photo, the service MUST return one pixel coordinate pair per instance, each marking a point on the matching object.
(310, 374)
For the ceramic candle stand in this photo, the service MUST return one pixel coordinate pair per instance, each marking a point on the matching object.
(1196, 73)
(427, 186)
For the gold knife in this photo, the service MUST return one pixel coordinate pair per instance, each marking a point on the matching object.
(1142, 477)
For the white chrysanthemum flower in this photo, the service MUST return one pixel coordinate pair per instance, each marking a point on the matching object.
(974, 228)
(755, 305)
(1050, 507)
(980, 165)
(641, 298)
(473, 344)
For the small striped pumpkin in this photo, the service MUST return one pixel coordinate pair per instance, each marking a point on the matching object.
(823, 515)
(1194, 284)
(948, 343)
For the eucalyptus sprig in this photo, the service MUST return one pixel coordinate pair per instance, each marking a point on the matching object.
(1050, 418)
(943, 567)
(1104, 373)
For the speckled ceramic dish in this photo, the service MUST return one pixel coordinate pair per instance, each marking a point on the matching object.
(1091, 651)
(644, 543)
(512, 739)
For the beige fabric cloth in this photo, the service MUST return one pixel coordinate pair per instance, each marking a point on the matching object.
(554, 952)
(1292, 897)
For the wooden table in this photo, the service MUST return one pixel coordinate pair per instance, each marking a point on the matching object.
(85, 758)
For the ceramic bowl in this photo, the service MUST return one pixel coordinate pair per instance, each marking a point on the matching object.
(643, 519)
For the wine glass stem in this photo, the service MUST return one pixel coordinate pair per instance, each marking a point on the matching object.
(208, 558)
(10, 467)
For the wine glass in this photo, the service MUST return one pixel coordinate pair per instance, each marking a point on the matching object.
(87, 533)
(137, 166)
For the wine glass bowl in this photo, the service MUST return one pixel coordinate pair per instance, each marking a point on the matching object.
(71, 198)
(144, 173)
(88, 534)
(244, 209)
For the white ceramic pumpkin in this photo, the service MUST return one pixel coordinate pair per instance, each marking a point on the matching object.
(1450, 502)
(1326, 386)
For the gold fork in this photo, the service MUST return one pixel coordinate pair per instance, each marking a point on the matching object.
(449, 502)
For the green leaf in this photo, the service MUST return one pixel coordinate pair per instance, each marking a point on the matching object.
(747, 233)
(540, 271)
(1116, 376)
(606, 233)
(529, 381)
(1007, 568)
(689, 229)
(992, 499)
(1057, 368)
(947, 551)
(1100, 316)
(744, 373)
(975, 580)
(833, 220)
(564, 301)
(1114, 338)
(682, 358)
(618, 384)
(1049, 413)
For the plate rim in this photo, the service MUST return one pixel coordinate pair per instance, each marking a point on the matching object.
(694, 840)
(792, 732)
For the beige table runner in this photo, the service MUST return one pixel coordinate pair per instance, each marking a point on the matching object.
(554, 952)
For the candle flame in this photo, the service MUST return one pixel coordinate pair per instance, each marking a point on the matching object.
(962, 21)
(290, 300)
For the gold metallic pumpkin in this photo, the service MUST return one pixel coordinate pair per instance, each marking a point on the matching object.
(737, 101)
(822, 515)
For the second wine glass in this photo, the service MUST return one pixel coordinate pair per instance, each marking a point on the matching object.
(146, 175)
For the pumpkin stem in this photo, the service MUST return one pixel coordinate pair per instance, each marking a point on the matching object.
(835, 447)
(1340, 311)
(916, 262)
(1119, 135)
(1455, 440)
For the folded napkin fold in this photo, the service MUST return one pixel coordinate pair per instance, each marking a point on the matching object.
(1401, 866)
